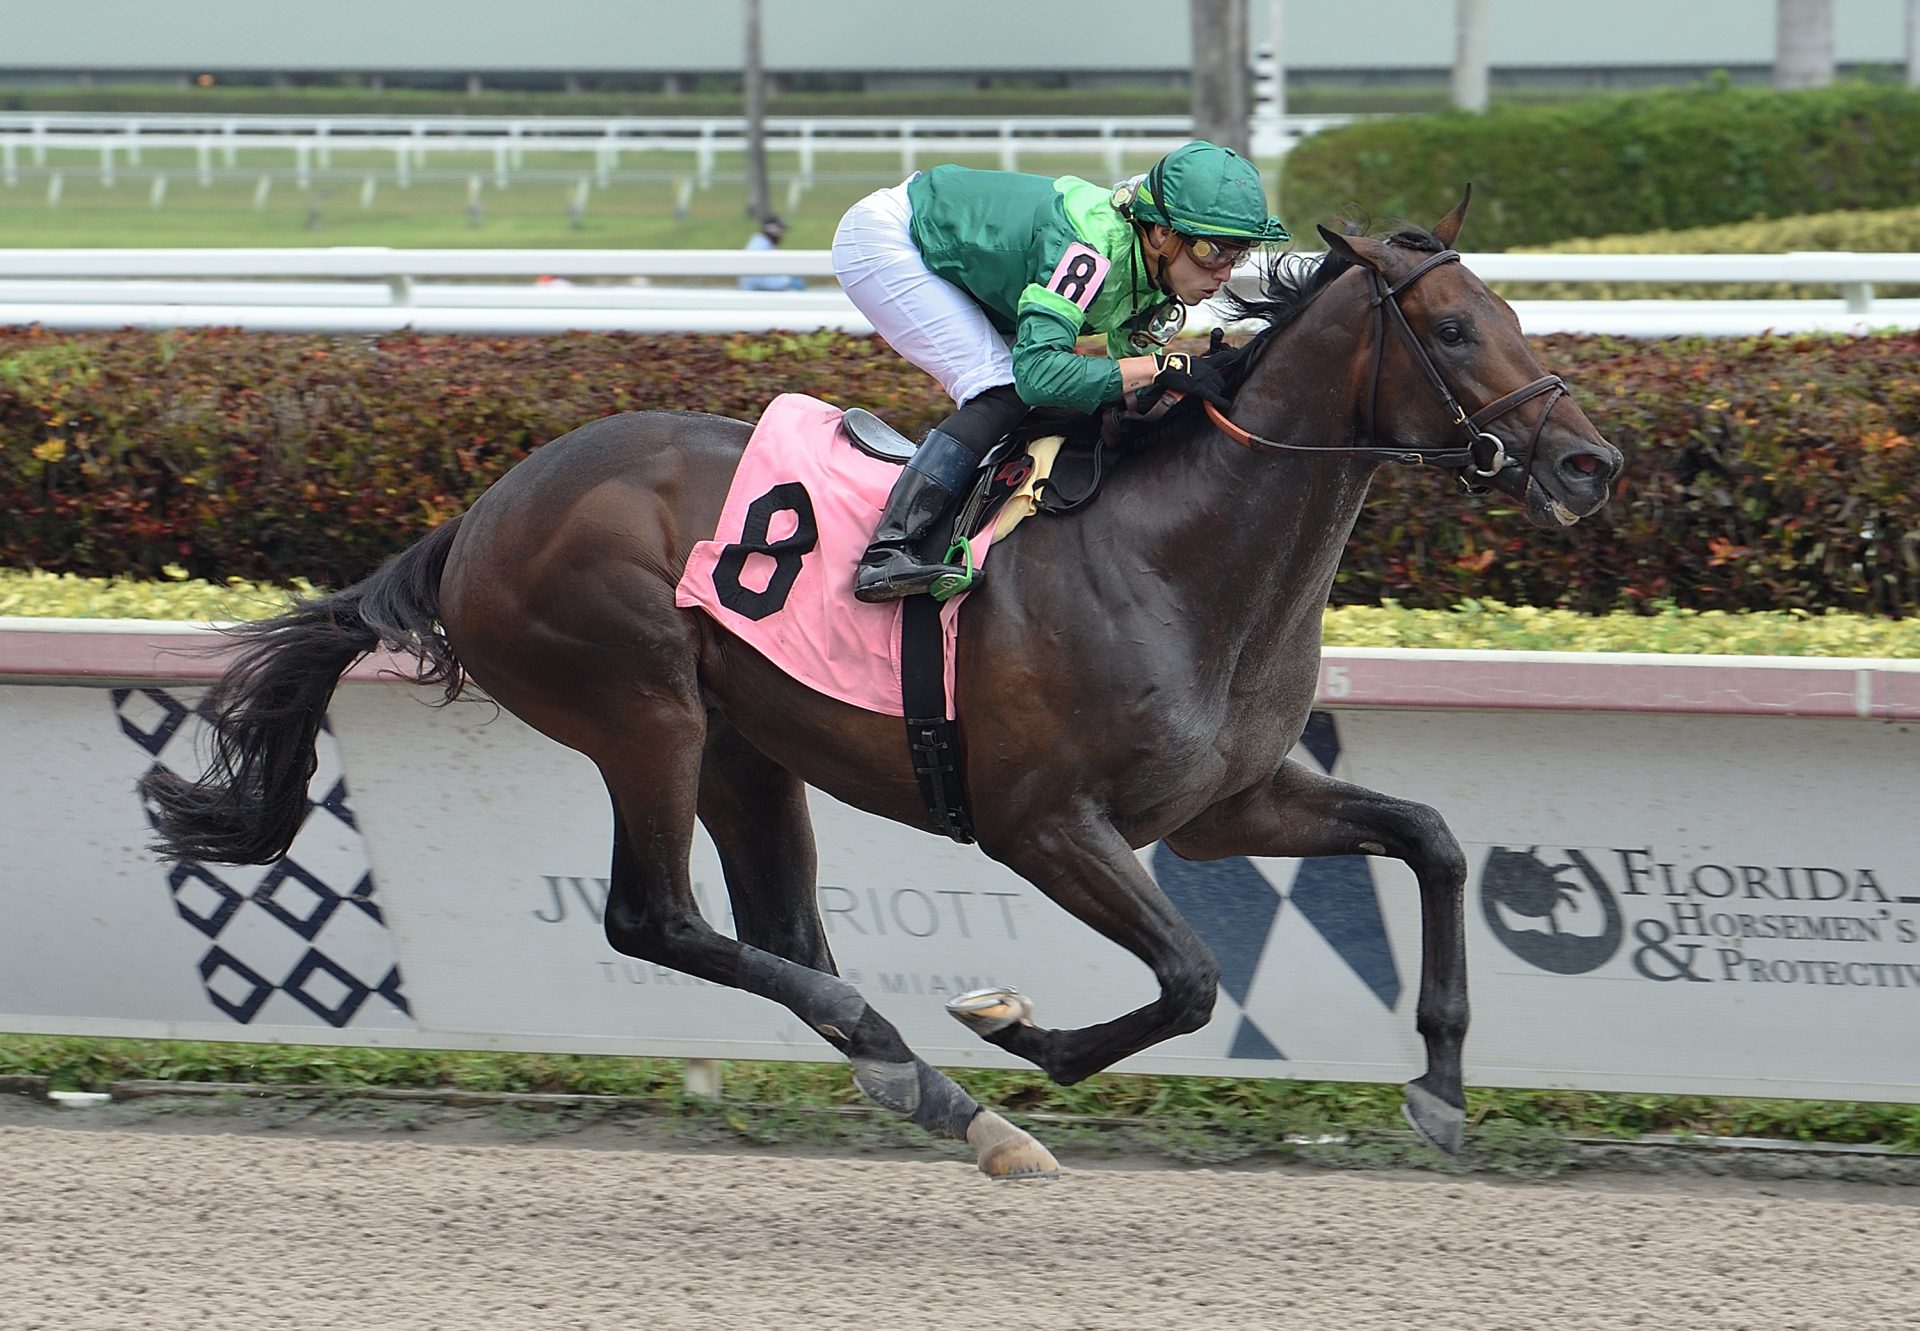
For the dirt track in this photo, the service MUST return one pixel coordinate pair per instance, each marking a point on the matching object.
(125, 1227)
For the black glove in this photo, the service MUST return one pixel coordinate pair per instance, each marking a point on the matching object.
(1192, 375)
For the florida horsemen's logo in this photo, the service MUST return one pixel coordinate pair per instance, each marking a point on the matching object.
(1547, 921)
(1701, 919)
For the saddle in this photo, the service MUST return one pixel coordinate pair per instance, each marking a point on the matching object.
(1052, 473)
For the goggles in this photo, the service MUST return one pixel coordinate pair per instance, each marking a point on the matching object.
(1161, 327)
(1214, 254)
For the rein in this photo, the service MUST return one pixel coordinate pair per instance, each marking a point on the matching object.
(1480, 455)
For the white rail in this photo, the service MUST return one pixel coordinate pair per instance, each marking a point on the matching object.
(501, 291)
(1825, 267)
(552, 129)
(309, 142)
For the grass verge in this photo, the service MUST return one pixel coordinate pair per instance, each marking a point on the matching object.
(1192, 1118)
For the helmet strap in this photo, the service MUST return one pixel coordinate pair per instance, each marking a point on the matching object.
(1159, 256)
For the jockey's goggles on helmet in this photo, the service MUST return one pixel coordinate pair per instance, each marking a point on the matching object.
(1215, 254)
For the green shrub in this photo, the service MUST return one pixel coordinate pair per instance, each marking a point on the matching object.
(1667, 160)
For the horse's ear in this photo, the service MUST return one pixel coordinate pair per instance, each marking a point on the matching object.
(1447, 230)
(1355, 249)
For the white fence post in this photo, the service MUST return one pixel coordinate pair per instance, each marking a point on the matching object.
(702, 1078)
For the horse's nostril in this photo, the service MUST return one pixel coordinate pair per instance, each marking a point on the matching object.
(1585, 463)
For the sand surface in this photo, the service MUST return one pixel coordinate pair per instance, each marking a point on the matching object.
(226, 1228)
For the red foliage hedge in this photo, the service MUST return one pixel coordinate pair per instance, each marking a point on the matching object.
(1761, 474)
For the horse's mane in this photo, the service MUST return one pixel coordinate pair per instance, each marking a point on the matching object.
(1289, 283)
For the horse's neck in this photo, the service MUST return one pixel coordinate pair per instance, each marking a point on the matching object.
(1272, 525)
(1230, 551)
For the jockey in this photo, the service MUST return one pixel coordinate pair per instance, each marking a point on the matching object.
(985, 280)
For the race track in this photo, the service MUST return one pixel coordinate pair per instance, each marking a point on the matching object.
(114, 1229)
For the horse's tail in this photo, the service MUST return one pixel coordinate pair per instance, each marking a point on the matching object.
(266, 710)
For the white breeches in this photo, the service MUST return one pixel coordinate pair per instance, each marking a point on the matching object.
(925, 318)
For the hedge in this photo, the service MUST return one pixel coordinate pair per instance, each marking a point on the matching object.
(1615, 165)
(1762, 474)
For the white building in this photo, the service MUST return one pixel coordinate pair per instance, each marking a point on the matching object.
(892, 43)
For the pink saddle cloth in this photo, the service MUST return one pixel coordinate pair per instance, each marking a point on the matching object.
(778, 573)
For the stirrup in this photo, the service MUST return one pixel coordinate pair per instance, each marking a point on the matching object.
(949, 585)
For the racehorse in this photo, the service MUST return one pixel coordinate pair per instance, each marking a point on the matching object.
(1136, 673)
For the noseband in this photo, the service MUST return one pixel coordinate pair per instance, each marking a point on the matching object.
(1480, 455)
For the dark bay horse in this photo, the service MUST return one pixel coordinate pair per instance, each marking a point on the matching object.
(1136, 673)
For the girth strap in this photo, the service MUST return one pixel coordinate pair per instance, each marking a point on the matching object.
(932, 741)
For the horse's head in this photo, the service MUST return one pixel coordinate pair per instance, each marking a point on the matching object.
(1455, 380)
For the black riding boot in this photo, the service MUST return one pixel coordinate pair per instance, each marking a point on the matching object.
(891, 568)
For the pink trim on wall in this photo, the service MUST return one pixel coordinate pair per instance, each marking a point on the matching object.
(130, 654)
(1772, 686)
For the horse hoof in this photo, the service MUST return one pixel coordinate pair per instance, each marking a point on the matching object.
(1439, 1124)
(1007, 1152)
(990, 1011)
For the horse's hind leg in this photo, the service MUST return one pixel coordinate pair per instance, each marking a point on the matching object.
(756, 812)
(1301, 813)
(651, 914)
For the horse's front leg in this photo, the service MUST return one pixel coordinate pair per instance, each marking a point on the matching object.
(1088, 868)
(1300, 813)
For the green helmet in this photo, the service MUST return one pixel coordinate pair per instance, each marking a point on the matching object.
(1202, 189)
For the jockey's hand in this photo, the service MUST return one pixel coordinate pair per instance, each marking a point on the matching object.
(1192, 375)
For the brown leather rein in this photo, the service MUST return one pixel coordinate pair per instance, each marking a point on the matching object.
(1481, 455)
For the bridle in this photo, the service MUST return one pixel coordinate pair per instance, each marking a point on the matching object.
(1479, 457)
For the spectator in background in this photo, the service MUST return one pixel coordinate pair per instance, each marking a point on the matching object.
(771, 233)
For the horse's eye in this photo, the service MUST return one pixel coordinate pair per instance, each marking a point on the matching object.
(1451, 333)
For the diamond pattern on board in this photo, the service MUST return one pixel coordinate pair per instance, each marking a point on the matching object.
(1229, 903)
(362, 898)
(1337, 896)
(149, 717)
(290, 922)
(335, 803)
(1237, 910)
(202, 898)
(1250, 1042)
(297, 899)
(235, 988)
(328, 991)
